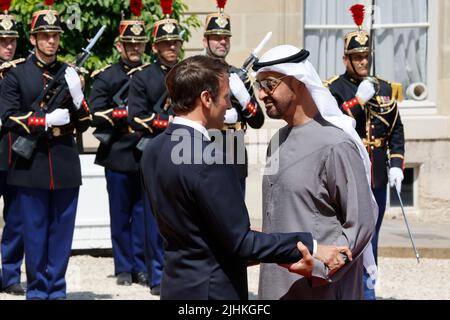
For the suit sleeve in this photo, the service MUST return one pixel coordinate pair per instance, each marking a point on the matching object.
(349, 107)
(224, 212)
(14, 117)
(397, 144)
(81, 118)
(252, 113)
(104, 113)
(141, 115)
(347, 185)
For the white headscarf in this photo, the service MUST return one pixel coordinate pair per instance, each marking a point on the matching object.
(328, 108)
(325, 102)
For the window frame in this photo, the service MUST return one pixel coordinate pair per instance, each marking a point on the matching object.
(409, 107)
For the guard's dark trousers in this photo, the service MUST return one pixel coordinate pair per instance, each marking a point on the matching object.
(48, 224)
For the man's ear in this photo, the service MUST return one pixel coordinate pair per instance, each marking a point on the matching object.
(119, 46)
(206, 99)
(205, 42)
(345, 59)
(33, 40)
(155, 48)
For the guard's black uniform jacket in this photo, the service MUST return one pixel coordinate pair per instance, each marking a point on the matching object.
(120, 153)
(55, 162)
(5, 136)
(148, 105)
(378, 123)
(252, 116)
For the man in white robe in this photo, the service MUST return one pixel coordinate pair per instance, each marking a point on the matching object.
(318, 179)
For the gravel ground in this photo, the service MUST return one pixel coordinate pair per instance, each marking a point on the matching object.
(91, 278)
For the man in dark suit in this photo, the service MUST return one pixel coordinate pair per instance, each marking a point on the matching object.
(205, 224)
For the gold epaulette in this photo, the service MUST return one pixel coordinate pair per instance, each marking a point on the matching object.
(11, 64)
(97, 72)
(397, 91)
(328, 82)
(140, 68)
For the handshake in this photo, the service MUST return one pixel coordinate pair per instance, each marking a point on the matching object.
(333, 257)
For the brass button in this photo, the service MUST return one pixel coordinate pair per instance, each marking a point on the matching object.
(56, 132)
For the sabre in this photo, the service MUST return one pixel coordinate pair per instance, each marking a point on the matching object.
(262, 43)
(254, 55)
(372, 41)
(407, 226)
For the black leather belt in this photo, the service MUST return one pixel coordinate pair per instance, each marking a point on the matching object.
(62, 130)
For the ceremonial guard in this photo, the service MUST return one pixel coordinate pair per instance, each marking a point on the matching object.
(12, 241)
(117, 152)
(373, 103)
(45, 164)
(149, 115)
(245, 110)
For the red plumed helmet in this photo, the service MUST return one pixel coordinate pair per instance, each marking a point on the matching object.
(136, 7)
(358, 11)
(166, 6)
(49, 2)
(5, 4)
(221, 4)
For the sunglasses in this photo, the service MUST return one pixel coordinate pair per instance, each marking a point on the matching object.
(269, 84)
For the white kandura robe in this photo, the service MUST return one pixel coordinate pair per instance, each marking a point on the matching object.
(320, 187)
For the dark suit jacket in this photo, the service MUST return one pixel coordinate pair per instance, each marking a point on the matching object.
(204, 221)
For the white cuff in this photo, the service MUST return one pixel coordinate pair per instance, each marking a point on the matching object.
(314, 247)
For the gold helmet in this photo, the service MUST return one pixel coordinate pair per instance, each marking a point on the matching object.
(218, 23)
(46, 20)
(357, 41)
(166, 29)
(8, 28)
(133, 30)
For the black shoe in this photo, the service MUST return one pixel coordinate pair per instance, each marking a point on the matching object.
(141, 278)
(124, 279)
(15, 289)
(156, 291)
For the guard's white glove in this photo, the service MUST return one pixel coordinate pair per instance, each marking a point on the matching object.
(239, 90)
(74, 83)
(396, 178)
(366, 91)
(59, 117)
(231, 116)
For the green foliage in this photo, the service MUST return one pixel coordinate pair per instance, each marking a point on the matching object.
(83, 18)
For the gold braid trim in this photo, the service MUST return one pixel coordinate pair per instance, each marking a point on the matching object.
(143, 123)
(103, 114)
(19, 121)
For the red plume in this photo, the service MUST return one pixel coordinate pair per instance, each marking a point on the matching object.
(358, 11)
(49, 2)
(5, 4)
(136, 7)
(166, 6)
(221, 4)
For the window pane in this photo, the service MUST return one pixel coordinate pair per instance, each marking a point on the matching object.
(402, 11)
(400, 54)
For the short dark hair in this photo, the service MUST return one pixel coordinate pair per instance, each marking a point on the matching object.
(189, 78)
